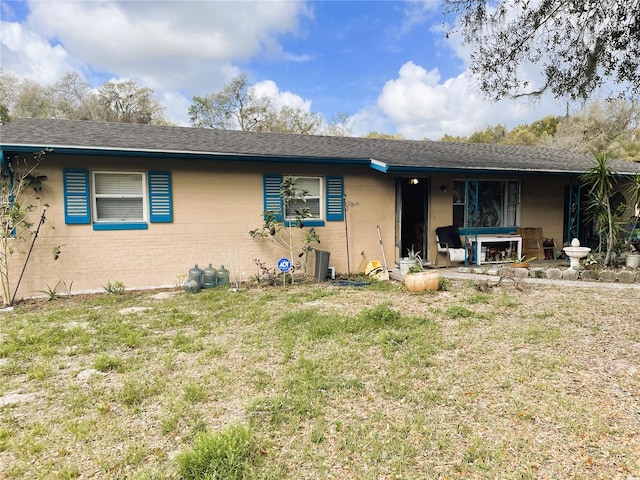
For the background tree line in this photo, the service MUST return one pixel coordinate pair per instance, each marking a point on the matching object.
(235, 107)
(72, 98)
(611, 125)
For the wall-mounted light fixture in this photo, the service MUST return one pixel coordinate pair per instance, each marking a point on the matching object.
(443, 188)
(414, 181)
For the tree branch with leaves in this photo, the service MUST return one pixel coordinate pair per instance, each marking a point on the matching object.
(578, 45)
(20, 186)
(281, 229)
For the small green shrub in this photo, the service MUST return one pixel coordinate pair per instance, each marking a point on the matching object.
(106, 363)
(382, 314)
(114, 288)
(134, 392)
(51, 292)
(194, 393)
(458, 311)
(217, 456)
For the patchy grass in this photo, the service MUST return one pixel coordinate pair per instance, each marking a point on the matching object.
(319, 381)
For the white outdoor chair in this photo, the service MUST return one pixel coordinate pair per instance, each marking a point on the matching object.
(450, 246)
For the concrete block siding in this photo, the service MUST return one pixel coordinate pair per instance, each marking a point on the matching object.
(215, 205)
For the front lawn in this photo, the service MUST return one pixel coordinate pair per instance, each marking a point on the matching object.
(320, 381)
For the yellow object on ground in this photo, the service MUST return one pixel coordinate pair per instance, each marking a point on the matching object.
(375, 269)
(371, 266)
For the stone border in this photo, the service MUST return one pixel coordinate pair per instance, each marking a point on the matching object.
(555, 273)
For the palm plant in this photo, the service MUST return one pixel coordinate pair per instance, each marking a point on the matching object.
(600, 183)
(633, 194)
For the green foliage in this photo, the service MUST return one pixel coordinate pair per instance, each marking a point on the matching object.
(577, 46)
(126, 102)
(195, 393)
(458, 311)
(51, 292)
(19, 185)
(284, 234)
(134, 392)
(380, 315)
(114, 288)
(599, 182)
(609, 125)
(234, 107)
(492, 134)
(72, 98)
(445, 284)
(106, 363)
(217, 456)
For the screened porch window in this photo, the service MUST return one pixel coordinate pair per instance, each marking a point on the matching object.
(119, 197)
(486, 203)
(313, 187)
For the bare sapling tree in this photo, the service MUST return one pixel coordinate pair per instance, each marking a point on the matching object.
(21, 213)
(285, 229)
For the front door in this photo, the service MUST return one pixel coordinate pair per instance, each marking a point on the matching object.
(412, 202)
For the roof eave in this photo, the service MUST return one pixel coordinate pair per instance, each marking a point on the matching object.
(181, 154)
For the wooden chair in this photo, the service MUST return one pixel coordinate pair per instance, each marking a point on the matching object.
(535, 245)
(448, 243)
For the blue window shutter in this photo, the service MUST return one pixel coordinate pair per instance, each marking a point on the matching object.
(272, 197)
(76, 196)
(160, 203)
(335, 198)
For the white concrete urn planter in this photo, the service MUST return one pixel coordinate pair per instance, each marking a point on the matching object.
(406, 263)
(633, 260)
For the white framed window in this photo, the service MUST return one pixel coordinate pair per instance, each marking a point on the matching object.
(313, 198)
(119, 197)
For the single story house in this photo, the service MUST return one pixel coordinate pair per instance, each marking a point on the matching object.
(141, 204)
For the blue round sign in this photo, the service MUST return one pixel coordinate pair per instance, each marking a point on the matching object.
(284, 264)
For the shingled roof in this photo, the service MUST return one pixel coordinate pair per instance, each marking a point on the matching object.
(68, 136)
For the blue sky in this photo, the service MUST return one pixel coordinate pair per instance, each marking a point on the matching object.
(387, 64)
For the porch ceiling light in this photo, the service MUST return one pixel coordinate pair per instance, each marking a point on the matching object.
(414, 181)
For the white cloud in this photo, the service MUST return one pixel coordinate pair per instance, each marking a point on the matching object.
(417, 13)
(179, 49)
(418, 103)
(27, 55)
(268, 88)
(421, 105)
(173, 43)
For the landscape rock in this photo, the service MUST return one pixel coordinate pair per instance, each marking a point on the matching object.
(554, 274)
(85, 375)
(570, 274)
(627, 276)
(13, 398)
(607, 276)
(125, 311)
(589, 275)
(163, 295)
(521, 272)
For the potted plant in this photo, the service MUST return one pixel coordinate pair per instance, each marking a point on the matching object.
(591, 263)
(419, 280)
(522, 261)
(412, 259)
(632, 259)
